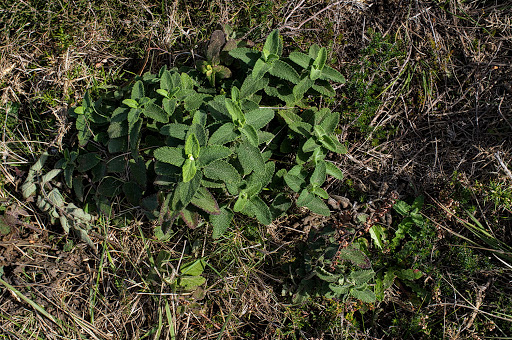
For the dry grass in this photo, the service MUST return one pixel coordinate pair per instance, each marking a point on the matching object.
(445, 110)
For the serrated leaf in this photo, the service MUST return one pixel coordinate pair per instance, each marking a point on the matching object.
(50, 175)
(212, 153)
(192, 147)
(109, 186)
(88, 161)
(313, 203)
(204, 200)
(169, 106)
(324, 88)
(189, 169)
(356, 256)
(320, 192)
(301, 59)
(328, 73)
(279, 205)
(116, 145)
(260, 210)
(402, 208)
(326, 276)
(284, 71)
(175, 130)
(155, 112)
(319, 174)
(409, 274)
(327, 119)
(223, 135)
(171, 155)
(223, 171)
(377, 235)
(259, 118)
(251, 85)
(260, 68)
(251, 134)
(187, 190)
(359, 277)
(364, 295)
(333, 170)
(320, 60)
(166, 81)
(273, 45)
(132, 192)
(302, 87)
(137, 90)
(190, 282)
(310, 145)
(84, 132)
(194, 101)
(246, 55)
(250, 158)
(191, 218)
(221, 222)
(235, 112)
(117, 129)
(131, 103)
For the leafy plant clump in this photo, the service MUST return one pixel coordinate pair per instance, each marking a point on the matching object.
(241, 133)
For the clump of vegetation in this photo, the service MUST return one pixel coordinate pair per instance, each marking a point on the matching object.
(189, 148)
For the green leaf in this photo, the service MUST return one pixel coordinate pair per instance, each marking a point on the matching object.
(194, 101)
(359, 277)
(175, 130)
(260, 68)
(250, 158)
(191, 218)
(324, 88)
(223, 171)
(212, 153)
(132, 192)
(192, 147)
(138, 171)
(319, 174)
(117, 129)
(193, 268)
(109, 186)
(273, 45)
(402, 208)
(88, 161)
(354, 255)
(137, 91)
(224, 134)
(377, 235)
(310, 145)
(284, 71)
(280, 205)
(189, 169)
(327, 120)
(246, 55)
(221, 222)
(301, 59)
(295, 178)
(84, 131)
(190, 282)
(205, 201)
(319, 192)
(241, 202)
(235, 111)
(319, 62)
(257, 207)
(155, 112)
(169, 106)
(187, 190)
(171, 155)
(131, 103)
(409, 274)
(364, 295)
(251, 134)
(302, 87)
(333, 170)
(328, 73)
(259, 118)
(313, 203)
(251, 85)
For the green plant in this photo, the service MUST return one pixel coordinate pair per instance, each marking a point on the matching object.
(327, 270)
(181, 148)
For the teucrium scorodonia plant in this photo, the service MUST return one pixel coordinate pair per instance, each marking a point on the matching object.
(238, 134)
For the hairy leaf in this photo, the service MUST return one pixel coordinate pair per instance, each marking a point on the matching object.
(313, 203)
(225, 172)
(333, 170)
(212, 153)
(284, 71)
(221, 222)
(175, 130)
(250, 158)
(205, 201)
(301, 59)
(155, 112)
(224, 134)
(171, 155)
